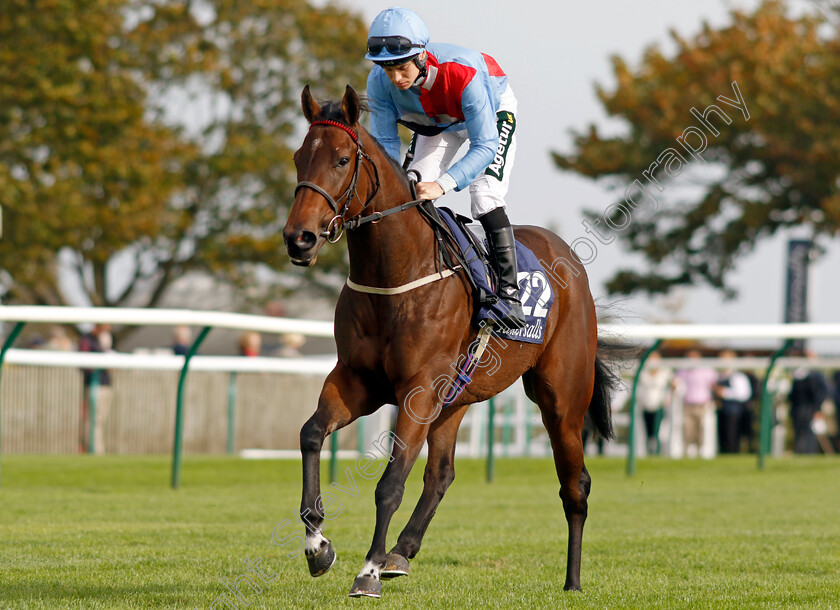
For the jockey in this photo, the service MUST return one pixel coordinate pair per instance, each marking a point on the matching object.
(447, 95)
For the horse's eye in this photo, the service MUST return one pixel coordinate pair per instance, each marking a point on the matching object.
(343, 161)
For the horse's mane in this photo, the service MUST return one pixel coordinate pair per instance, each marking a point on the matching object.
(331, 110)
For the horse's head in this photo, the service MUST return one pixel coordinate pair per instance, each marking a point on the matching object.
(329, 165)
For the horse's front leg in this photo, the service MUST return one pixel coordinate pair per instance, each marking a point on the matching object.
(343, 399)
(411, 431)
(440, 472)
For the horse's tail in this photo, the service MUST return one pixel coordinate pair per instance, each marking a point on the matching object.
(606, 382)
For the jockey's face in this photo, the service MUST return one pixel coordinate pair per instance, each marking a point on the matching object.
(404, 75)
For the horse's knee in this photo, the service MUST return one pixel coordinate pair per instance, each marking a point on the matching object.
(585, 483)
(389, 493)
(439, 477)
(575, 499)
(446, 480)
(312, 435)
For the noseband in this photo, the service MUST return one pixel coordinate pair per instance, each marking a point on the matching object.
(339, 223)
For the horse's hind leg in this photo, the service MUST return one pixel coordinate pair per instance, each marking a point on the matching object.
(343, 399)
(439, 474)
(563, 418)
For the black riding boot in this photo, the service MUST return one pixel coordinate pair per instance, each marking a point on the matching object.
(503, 254)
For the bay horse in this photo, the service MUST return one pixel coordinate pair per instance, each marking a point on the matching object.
(394, 348)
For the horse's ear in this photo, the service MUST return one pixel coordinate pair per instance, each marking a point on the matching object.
(351, 106)
(311, 109)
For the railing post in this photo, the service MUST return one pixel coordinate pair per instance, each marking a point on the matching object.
(631, 440)
(491, 437)
(177, 446)
(360, 435)
(231, 412)
(334, 456)
(6, 345)
(766, 417)
(93, 398)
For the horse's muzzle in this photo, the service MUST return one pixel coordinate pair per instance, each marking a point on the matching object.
(302, 247)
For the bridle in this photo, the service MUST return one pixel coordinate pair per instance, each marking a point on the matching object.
(339, 223)
(336, 227)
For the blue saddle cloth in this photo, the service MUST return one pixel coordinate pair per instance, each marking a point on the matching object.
(535, 292)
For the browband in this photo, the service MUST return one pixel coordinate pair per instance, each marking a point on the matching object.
(346, 128)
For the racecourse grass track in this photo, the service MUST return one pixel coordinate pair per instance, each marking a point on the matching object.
(108, 532)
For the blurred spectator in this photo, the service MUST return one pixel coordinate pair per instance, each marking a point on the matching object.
(250, 344)
(819, 425)
(99, 340)
(807, 393)
(34, 341)
(696, 385)
(276, 309)
(290, 345)
(652, 395)
(746, 427)
(733, 390)
(778, 389)
(58, 340)
(181, 337)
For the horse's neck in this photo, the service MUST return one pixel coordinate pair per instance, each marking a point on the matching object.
(398, 249)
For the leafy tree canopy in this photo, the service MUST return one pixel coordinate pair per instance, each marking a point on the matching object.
(142, 139)
(754, 170)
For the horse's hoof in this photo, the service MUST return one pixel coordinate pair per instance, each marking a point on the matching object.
(395, 565)
(366, 586)
(322, 561)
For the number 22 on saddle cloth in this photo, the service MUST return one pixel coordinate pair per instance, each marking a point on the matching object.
(535, 292)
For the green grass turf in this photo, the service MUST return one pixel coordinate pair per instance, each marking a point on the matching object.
(88, 532)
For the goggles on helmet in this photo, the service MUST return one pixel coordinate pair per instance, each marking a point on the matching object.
(395, 45)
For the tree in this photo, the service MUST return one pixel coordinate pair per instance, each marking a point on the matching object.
(143, 139)
(76, 154)
(754, 109)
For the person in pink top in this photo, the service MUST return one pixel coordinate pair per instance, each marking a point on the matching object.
(697, 386)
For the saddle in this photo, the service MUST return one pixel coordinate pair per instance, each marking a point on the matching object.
(460, 247)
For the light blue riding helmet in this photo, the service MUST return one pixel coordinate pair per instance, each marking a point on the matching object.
(396, 34)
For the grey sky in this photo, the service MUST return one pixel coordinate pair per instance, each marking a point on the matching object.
(554, 53)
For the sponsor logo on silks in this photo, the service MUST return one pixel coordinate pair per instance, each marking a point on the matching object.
(506, 125)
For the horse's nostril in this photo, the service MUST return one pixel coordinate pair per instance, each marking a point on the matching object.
(306, 240)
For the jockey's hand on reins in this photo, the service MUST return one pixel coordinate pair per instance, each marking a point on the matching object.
(428, 190)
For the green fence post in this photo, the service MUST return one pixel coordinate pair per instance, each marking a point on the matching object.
(93, 397)
(766, 417)
(491, 437)
(177, 446)
(360, 435)
(334, 456)
(631, 440)
(231, 412)
(6, 345)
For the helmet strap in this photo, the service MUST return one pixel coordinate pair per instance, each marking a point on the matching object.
(421, 65)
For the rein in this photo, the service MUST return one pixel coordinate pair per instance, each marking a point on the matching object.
(358, 221)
